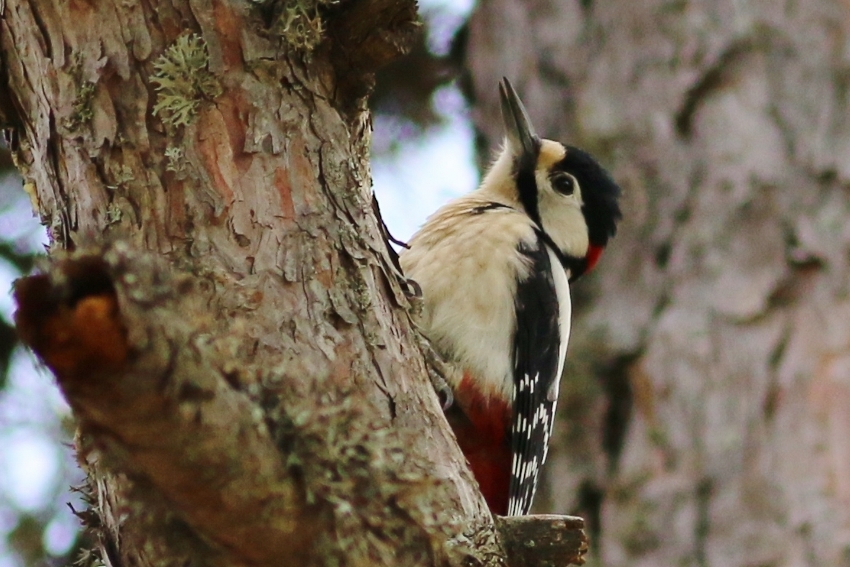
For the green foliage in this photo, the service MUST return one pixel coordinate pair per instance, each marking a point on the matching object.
(8, 342)
(26, 539)
(404, 89)
(23, 262)
(184, 80)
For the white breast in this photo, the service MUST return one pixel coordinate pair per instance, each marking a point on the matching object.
(468, 267)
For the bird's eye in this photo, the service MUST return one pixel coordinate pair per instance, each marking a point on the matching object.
(563, 183)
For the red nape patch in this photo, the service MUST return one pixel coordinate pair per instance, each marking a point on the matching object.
(481, 425)
(593, 254)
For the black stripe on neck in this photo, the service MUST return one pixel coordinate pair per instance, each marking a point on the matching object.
(527, 192)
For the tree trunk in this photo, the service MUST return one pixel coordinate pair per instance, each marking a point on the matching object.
(706, 400)
(246, 388)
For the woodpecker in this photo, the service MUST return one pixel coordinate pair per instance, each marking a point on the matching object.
(494, 267)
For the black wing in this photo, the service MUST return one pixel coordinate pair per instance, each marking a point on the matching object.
(536, 351)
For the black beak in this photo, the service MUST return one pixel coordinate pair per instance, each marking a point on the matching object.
(522, 140)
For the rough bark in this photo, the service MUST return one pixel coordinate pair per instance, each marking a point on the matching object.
(209, 135)
(706, 402)
(543, 540)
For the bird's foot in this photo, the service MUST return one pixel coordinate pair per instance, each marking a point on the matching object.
(440, 373)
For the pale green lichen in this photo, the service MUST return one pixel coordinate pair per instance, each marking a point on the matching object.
(176, 159)
(113, 214)
(88, 558)
(81, 111)
(184, 80)
(385, 509)
(122, 176)
(301, 24)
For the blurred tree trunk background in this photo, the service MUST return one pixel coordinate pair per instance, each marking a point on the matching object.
(707, 410)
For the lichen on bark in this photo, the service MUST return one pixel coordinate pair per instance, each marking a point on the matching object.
(183, 80)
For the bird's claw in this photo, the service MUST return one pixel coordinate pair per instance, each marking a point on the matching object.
(439, 372)
(444, 392)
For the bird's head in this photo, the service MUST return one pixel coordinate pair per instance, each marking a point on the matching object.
(569, 196)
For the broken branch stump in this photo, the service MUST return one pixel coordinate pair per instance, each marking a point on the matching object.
(545, 540)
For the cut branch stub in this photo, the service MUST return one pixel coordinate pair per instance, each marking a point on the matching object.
(123, 338)
(71, 320)
(542, 541)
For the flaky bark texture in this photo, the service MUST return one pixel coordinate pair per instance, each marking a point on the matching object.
(707, 404)
(243, 390)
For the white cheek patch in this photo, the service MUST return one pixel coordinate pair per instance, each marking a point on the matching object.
(562, 217)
